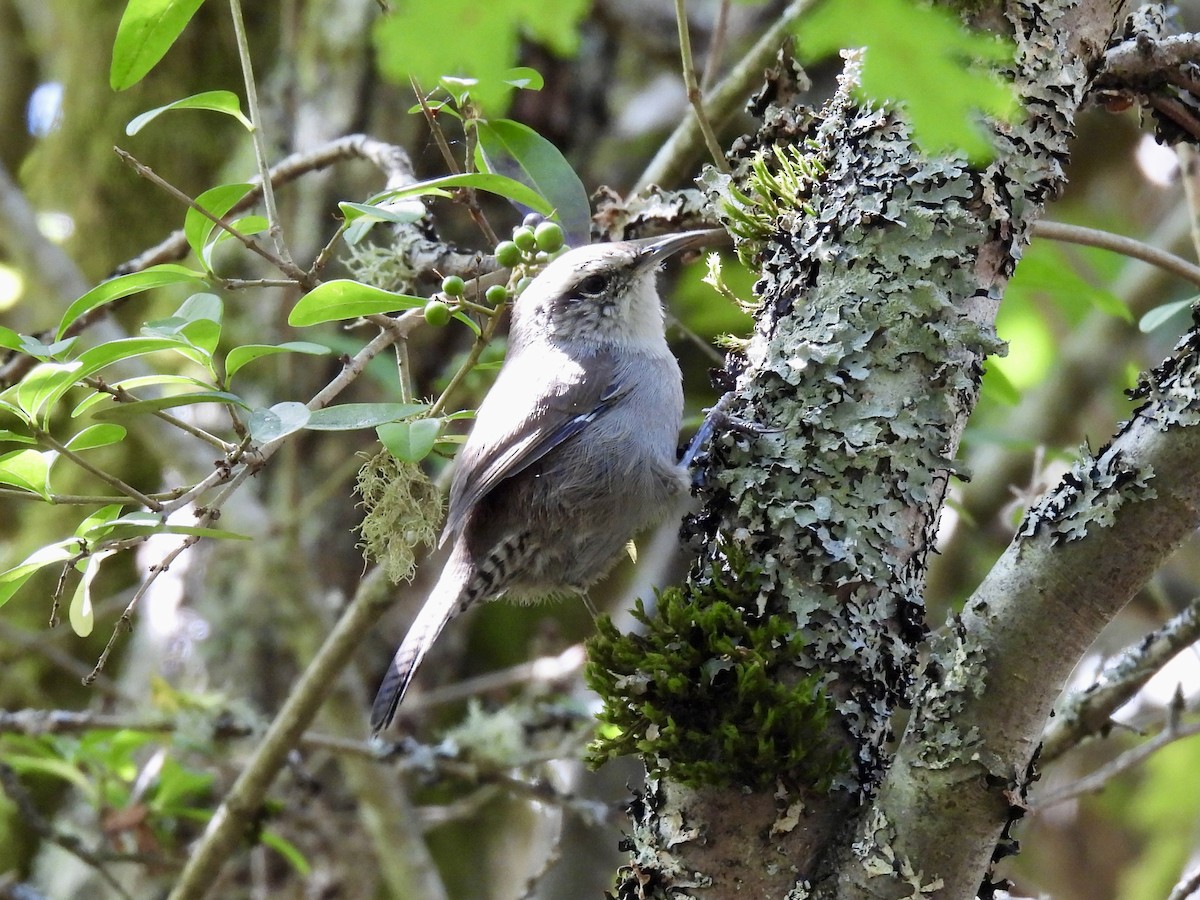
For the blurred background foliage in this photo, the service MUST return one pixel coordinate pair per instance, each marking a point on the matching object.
(219, 641)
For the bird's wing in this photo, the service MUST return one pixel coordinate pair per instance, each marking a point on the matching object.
(511, 435)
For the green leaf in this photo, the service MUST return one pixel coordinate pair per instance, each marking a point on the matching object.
(80, 613)
(130, 384)
(136, 524)
(1160, 315)
(343, 299)
(96, 436)
(401, 213)
(922, 56)
(124, 285)
(247, 353)
(218, 201)
(410, 441)
(350, 416)
(28, 470)
(148, 29)
(31, 346)
(246, 225)
(14, 437)
(483, 181)
(218, 101)
(266, 425)
(512, 149)
(525, 78)
(10, 340)
(12, 579)
(97, 524)
(119, 411)
(428, 39)
(44, 383)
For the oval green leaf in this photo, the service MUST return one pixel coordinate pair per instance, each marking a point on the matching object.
(148, 29)
(516, 150)
(240, 356)
(123, 286)
(28, 470)
(344, 299)
(410, 441)
(266, 425)
(225, 102)
(97, 436)
(120, 411)
(350, 416)
(483, 181)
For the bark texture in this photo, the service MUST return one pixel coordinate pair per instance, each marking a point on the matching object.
(876, 318)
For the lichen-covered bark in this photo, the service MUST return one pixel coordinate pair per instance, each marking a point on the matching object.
(876, 319)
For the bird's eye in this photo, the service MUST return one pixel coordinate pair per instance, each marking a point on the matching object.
(593, 285)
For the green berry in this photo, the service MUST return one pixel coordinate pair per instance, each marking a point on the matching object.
(524, 283)
(496, 294)
(453, 286)
(549, 236)
(437, 313)
(508, 254)
(523, 237)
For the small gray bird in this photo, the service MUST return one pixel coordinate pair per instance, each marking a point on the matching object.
(573, 449)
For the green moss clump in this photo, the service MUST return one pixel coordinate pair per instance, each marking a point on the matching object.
(708, 694)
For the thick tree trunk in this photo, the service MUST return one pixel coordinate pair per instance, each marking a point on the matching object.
(876, 318)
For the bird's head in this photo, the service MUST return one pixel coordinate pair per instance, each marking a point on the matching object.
(602, 294)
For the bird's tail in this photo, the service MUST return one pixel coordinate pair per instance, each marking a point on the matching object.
(447, 600)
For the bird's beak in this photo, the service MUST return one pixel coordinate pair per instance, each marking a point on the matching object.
(658, 249)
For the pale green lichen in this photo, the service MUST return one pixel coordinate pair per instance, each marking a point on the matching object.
(403, 509)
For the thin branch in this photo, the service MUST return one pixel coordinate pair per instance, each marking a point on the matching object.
(123, 396)
(284, 265)
(1106, 240)
(1096, 781)
(1089, 711)
(260, 145)
(245, 798)
(1189, 174)
(716, 46)
(722, 101)
(1177, 111)
(695, 96)
(125, 622)
(481, 342)
(111, 480)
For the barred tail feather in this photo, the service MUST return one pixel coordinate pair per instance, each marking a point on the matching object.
(461, 586)
(443, 604)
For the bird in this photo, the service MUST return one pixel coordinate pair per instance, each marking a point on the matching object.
(573, 449)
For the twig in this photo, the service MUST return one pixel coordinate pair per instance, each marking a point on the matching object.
(1096, 781)
(482, 341)
(695, 96)
(245, 798)
(260, 145)
(435, 128)
(126, 620)
(1106, 240)
(1177, 112)
(123, 396)
(1089, 711)
(716, 46)
(111, 480)
(722, 101)
(284, 265)
(1189, 174)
